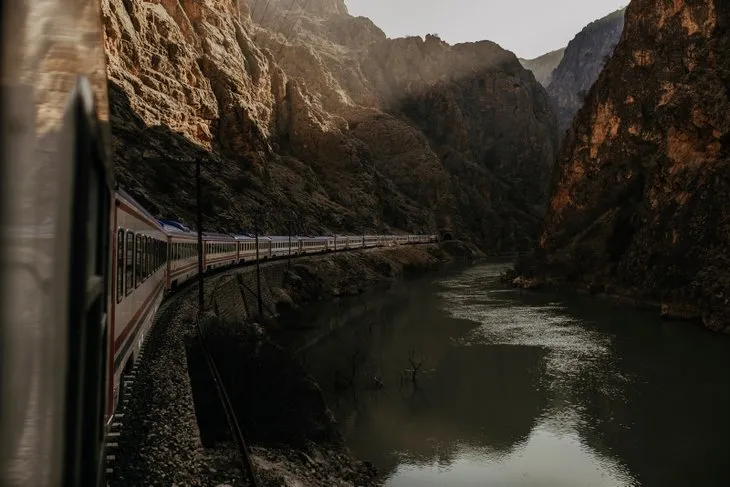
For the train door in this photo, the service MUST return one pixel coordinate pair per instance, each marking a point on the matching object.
(89, 366)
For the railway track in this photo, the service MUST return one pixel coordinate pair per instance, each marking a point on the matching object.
(157, 407)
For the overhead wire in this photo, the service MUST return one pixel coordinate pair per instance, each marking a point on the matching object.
(282, 22)
(291, 30)
(253, 11)
(288, 11)
(261, 22)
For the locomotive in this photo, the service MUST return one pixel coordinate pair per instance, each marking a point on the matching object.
(84, 267)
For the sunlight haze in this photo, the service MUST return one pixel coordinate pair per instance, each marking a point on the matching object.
(529, 28)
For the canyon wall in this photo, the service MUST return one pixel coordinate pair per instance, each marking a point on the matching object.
(543, 66)
(311, 119)
(580, 65)
(638, 203)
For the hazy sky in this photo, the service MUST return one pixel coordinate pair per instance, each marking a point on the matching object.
(528, 28)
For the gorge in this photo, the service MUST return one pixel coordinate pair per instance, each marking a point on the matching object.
(604, 165)
(640, 185)
(315, 116)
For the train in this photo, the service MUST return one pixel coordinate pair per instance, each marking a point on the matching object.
(84, 266)
(151, 258)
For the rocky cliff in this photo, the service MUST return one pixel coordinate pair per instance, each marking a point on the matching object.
(543, 66)
(642, 183)
(582, 62)
(302, 114)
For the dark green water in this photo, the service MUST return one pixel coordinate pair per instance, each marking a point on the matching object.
(522, 389)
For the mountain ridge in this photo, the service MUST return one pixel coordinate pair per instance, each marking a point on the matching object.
(639, 186)
(313, 115)
(583, 60)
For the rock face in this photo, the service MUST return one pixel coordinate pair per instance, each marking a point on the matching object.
(642, 184)
(542, 67)
(316, 121)
(584, 58)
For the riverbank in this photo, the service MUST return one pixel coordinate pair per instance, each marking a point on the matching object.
(170, 428)
(352, 273)
(293, 436)
(714, 315)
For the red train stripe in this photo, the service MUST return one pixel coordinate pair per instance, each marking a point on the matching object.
(119, 341)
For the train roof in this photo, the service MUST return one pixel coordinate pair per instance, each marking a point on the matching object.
(244, 237)
(207, 236)
(123, 195)
(174, 226)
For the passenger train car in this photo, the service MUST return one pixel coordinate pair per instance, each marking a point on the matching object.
(154, 257)
(84, 266)
(139, 277)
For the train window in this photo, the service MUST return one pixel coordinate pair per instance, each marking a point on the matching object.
(120, 265)
(148, 257)
(148, 248)
(129, 263)
(138, 261)
(145, 257)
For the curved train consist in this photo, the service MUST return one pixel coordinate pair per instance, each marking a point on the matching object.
(83, 268)
(151, 257)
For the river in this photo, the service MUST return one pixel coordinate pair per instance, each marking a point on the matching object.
(521, 389)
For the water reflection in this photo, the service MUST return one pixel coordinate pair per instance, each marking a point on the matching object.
(522, 389)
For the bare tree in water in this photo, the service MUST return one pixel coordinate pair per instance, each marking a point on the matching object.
(416, 365)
